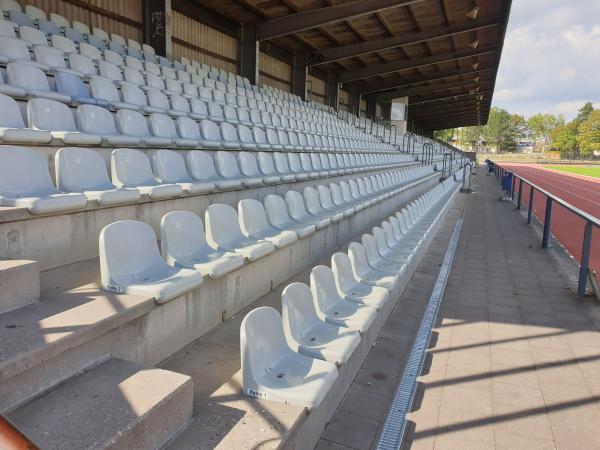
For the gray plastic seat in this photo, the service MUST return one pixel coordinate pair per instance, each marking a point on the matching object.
(333, 308)
(307, 334)
(365, 273)
(352, 289)
(223, 232)
(312, 201)
(163, 126)
(283, 167)
(296, 167)
(183, 244)
(72, 85)
(131, 168)
(25, 182)
(12, 49)
(33, 81)
(388, 262)
(12, 127)
(84, 170)
(99, 121)
(297, 211)
(278, 217)
(227, 167)
(57, 118)
(201, 167)
(273, 371)
(267, 168)
(307, 166)
(331, 198)
(132, 123)
(253, 223)
(130, 263)
(106, 90)
(169, 168)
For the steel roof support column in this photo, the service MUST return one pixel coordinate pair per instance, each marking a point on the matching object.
(332, 90)
(157, 25)
(249, 51)
(299, 76)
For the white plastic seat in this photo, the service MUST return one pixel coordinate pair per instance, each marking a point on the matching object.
(307, 334)
(227, 167)
(352, 289)
(331, 199)
(283, 167)
(169, 168)
(267, 167)
(253, 223)
(367, 274)
(130, 263)
(312, 201)
(184, 244)
(384, 262)
(296, 167)
(273, 371)
(333, 308)
(12, 127)
(25, 182)
(57, 118)
(32, 35)
(163, 126)
(297, 211)
(131, 168)
(106, 90)
(84, 170)
(223, 232)
(277, 215)
(249, 168)
(201, 167)
(132, 123)
(33, 80)
(99, 121)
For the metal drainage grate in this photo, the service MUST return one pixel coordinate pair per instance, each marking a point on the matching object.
(395, 423)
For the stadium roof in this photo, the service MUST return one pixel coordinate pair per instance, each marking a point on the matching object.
(442, 54)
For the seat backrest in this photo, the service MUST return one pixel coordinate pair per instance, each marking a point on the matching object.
(276, 210)
(229, 133)
(169, 167)
(325, 197)
(128, 249)
(281, 162)
(134, 95)
(179, 103)
(210, 130)
(113, 58)
(24, 173)
(104, 89)
(10, 113)
(90, 51)
(10, 5)
(133, 76)
(33, 35)
(261, 341)
(49, 56)
(227, 165)
(294, 162)
(81, 27)
(201, 165)
(81, 169)
(248, 165)
(132, 123)
(298, 311)
(162, 125)
(14, 48)
(222, 224)
(187, 128)
(20, 18)
(7, 28)
(44, 114)
(266, 164)
(82, 64)
(295, 205)
(252, 216)
(181, 235)
(312, 200)
(323, 288)
(341, 267)
(95, 120)
(59, 20)
(131, 168)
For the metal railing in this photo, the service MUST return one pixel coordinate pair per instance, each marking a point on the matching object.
(590, 221)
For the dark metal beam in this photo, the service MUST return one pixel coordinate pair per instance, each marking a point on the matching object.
(436, 98)
(203, 15)
(379, 69)
(404, 82)
(248, 52)
(438, 87)
(299, 77)
(314, 18)
(348, 51)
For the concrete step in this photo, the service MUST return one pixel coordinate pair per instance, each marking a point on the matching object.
(20, 281)
(117, 404)
(43, 344)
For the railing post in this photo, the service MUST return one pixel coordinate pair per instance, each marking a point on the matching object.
(585, 260)
(512, 189)
(530, 206)
(520, 193)
(547, 219)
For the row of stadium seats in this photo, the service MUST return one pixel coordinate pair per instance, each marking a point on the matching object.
(293, 357)
(130, 261)
(81, 174)
(52, 122)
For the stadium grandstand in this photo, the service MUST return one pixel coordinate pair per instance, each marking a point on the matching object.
(227, 224)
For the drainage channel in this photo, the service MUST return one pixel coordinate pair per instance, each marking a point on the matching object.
(395, 424)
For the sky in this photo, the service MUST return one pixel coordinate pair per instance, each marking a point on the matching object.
(551, 58)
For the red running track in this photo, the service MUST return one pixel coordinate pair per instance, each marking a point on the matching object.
(578, 190)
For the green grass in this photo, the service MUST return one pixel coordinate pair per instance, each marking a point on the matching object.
(590, 171)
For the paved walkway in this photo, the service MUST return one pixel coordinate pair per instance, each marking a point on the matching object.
(515, 359)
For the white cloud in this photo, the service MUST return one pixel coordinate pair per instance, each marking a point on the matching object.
(551, 58)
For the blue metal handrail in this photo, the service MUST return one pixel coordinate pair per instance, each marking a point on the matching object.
(590, 221)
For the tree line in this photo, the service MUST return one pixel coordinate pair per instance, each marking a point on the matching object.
(577, 138)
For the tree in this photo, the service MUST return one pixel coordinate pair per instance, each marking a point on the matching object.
(584, 113)
(589, 134)
(541, 126)
(564, 138)
(444, 135)
(500, 130)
